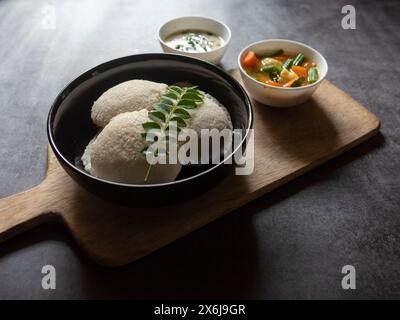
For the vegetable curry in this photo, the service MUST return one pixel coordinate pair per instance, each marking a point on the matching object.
(280, 69)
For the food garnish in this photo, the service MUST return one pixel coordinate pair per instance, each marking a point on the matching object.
(168, 117)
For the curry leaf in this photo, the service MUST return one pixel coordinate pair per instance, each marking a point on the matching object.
(192, 96)
(150, 125)
(167, 100)
(176, 89)
(169, 117)
(179, 121)
(162, 107)
(157, 116)
(187, 102)
(172, 95)
(179, 112)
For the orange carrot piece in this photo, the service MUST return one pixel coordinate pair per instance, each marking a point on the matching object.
(300, 71)
(273, 83)
(250, 59)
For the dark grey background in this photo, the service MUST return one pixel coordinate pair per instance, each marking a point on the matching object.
(291, 243)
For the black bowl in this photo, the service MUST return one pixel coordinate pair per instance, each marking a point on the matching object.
(69, 125)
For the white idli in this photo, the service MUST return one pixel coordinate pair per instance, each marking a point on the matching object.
(133, 95)
(210, 115)
(116, 154)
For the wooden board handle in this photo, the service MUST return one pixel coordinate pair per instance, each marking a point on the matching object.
(22, 211)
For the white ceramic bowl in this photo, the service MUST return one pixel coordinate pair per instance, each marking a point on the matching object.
(279, 96)
(199, 23)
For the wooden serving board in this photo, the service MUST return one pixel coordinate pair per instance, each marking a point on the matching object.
(288, 143)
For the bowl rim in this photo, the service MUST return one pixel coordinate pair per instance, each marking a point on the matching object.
(130, 59)
(224, 45)
(243, 72)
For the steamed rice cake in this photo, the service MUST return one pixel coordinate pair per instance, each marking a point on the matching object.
(116, 154)
(133, 95)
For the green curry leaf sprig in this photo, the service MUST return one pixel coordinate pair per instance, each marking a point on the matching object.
(168, 117)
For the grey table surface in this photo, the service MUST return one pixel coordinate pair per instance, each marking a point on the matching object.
(291, 243)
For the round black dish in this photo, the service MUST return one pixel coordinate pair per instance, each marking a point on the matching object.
(70, 128)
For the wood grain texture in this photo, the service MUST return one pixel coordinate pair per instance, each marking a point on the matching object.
(288, 143)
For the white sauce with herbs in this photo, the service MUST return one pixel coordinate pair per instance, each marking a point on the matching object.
(194, 41)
